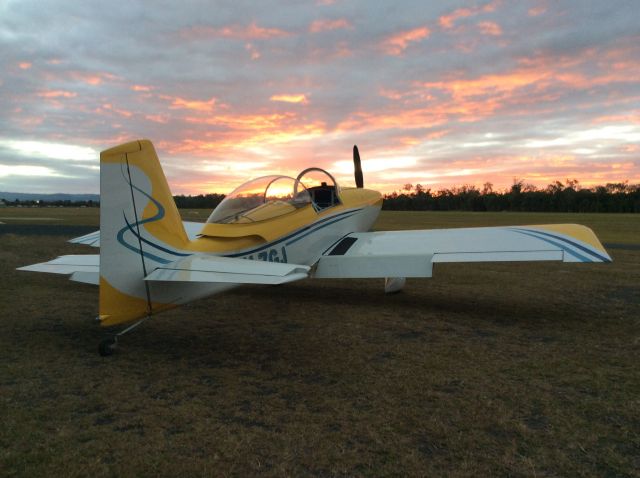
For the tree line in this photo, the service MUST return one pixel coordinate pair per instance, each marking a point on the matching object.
(201, 201)
(556, 197)
(44, 203)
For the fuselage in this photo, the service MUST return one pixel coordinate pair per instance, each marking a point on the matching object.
(299, 237)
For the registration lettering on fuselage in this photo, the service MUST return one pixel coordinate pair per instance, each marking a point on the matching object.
(274, 254)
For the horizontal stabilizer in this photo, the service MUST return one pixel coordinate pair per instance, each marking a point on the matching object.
(93, 238)
(81, 268)
(215, 269)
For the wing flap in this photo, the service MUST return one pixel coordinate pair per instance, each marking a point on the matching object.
(216, 269)
(370, 266)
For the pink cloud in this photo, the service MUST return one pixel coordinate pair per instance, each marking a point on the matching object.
(141, 88)
(193, 105)
(447, 21)
(398, 42)
(108, 107)
(327, 25)
(535, 11)
(162, 119)
(238, 32)
(93, 79)
(291, 98)
(490, 28)
(57, 94)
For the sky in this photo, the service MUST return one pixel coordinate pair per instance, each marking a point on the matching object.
(440, 94)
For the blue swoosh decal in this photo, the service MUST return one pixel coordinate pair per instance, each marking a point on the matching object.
(555, 243)
(133, 229)
(574, 244)
(315, 227)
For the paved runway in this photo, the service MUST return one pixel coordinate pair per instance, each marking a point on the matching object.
(45, 230)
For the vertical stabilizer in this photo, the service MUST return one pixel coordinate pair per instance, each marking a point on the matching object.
(140, 229)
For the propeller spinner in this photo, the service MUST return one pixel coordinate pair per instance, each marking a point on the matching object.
(357, 168)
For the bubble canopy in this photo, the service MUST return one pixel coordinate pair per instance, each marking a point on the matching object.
(271, 196)
(260, 199)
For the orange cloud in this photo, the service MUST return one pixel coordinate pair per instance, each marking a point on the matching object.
(326, 25)
(110, 107)
(93, 79)
(57, 94)
(25, 65)
(301, 99)
(142, 88)
(162, 119)
(238, 32)
(490, 28)
(398, 42)
(447, 21)
(633, 117)
(194, 105)
(253, 122)
(542, 77)
(535, 11)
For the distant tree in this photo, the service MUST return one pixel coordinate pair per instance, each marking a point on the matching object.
(555, 197)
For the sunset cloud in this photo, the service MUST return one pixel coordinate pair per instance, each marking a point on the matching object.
(142, 88)
(324, 25)
(490, 28)
(296, 98)
(435, 93)
(193, 105)
(57, 94)
(398, 42)
(448, 21)
(238, 32)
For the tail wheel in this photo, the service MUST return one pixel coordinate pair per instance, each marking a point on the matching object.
(107, 346)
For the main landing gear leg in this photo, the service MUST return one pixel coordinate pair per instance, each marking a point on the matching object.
(108, 345)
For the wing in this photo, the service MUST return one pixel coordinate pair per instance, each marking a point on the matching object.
(413, 253)
(84, 268)
(216, 269)
(93, 238)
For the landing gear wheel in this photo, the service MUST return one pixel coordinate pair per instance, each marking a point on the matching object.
(107, 346)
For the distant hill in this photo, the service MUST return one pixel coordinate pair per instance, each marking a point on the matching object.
(9, 197)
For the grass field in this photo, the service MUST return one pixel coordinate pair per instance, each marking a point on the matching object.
(484, 370)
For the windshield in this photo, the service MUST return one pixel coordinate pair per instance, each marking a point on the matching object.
(260, 199)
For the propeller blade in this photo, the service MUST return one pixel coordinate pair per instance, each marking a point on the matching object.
(357, 168)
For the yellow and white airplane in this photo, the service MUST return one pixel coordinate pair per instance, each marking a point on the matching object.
(270, 230)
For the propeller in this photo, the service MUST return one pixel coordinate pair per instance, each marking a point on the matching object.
(357, 168)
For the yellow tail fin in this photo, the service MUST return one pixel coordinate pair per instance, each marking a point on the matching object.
(140, 229)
